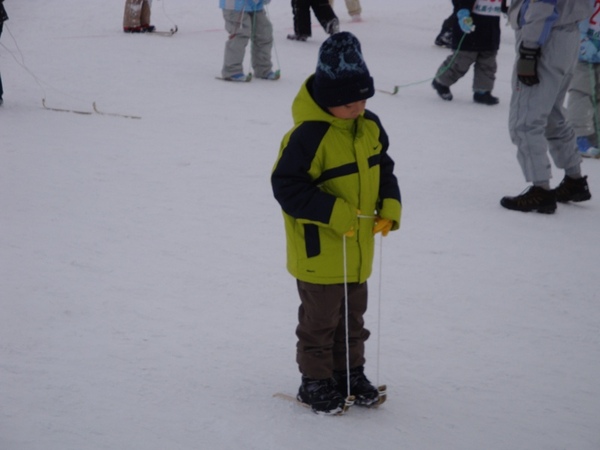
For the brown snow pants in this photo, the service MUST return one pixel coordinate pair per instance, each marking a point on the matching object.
(321, 331)
(137, 13)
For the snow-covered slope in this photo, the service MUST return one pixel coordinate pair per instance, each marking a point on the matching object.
(143, 295)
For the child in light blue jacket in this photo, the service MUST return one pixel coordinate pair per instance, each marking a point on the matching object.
(584, 90)
(247, 20)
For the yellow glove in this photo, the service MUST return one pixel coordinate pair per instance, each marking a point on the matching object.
(383, 225)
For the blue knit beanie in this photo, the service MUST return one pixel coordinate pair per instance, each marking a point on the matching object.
(342, 76)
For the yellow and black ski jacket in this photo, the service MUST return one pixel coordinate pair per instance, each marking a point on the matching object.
(326, 171)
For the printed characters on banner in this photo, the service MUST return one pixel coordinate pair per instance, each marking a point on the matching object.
(488, 7)
(594, 23)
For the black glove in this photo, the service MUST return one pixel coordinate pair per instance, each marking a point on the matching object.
(527, 65)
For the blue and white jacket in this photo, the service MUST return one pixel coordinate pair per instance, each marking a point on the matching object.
(589, 50)
(243, 5)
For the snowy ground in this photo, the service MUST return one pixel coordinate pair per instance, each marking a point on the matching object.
(145, 303)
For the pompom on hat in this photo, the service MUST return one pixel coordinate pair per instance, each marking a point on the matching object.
(342, 77)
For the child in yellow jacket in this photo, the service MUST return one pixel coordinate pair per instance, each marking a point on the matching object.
(335, 183)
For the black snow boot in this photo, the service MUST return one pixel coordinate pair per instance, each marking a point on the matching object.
(323, 396)
(533, 199)
(443, 91)
(366, 394)
(298, 37)
(485, 98)
(572, 190)
(444, 39)
(333, 26)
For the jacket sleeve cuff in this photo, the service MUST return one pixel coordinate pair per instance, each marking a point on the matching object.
(391, 209)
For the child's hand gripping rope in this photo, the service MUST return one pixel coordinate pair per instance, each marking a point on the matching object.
(465, 21)
(382, 225)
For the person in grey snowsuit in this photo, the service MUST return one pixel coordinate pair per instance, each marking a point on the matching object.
(247, 20)
(547, 44)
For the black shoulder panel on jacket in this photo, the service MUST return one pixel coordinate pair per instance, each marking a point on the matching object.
(383, 137)
(292, 185)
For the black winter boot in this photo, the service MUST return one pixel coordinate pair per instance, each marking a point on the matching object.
(366, 394)
(533, 199)
(297, 37)
(333, 26)
(443, 91)
(323, 396)
(444, 39)
(572, 190)
(485, 98)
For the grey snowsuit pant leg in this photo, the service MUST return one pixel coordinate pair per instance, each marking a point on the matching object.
(484, 71)
(321, 330)
(584, 86)
(537, 117)
(243, 27)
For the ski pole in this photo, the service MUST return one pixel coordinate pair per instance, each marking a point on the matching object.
(347, 320)
(378, 353)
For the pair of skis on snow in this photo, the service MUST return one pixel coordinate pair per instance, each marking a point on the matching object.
(95, 109)
(88, 113)
(349, 400)
(171, 32)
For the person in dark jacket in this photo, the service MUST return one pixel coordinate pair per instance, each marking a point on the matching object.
(324, 13)
(475, 41)
(3, 18)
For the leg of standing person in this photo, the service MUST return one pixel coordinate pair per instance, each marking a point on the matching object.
(325, 15)
(357, 333)
(360, 387)
(354, 9)
(238, 24)
(452, 69)
(132, 15)
(580, 108)
(596, 106)
(538, 127)
(262, 44)
(145, 15)
(532, 107)
(302, 25)
(319, 315)
(484, 76)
